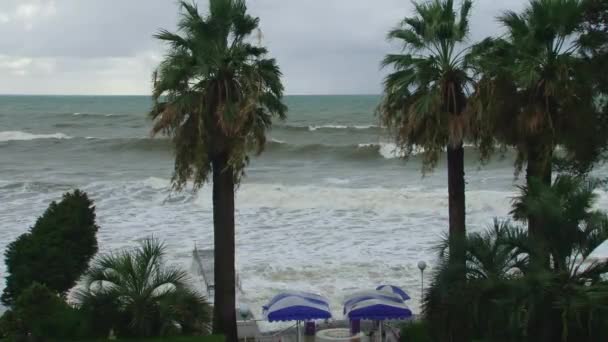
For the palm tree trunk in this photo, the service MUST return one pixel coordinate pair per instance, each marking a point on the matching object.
(224, 306)
(456, 203)
(457, 236)
(538, 167)
(544, 325)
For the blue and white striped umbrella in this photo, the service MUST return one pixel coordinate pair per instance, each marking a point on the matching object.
(368, 295)
(296, 306)
(394, 289)
(378, 309)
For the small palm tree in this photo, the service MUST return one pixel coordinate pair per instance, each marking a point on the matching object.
(507, 296)
(571, 229)
(425, 96)
(493, 260)
(142, 292)
(216, 95)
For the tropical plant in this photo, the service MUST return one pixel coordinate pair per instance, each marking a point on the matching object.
(510, 296)
(142, 296)
(56, 250)
(534, 93)
(492, 261)
(216, 94)
(425, 96)
(594, 41)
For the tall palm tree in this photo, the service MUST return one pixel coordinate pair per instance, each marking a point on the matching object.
(216, 94)
(534, 94)
(425, 96)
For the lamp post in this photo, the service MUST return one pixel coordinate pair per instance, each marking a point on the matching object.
(422, 267)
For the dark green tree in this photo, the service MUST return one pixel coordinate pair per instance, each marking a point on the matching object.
(40, 314)
(594, 41)
(216, 94)
(425, 96)
(56, 250)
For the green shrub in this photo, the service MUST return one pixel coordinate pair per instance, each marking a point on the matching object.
(417, 331)
(40, 314)
(56, 251)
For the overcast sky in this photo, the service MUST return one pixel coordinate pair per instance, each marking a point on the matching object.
(106, 46)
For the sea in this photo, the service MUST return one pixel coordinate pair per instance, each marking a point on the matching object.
(329, 207)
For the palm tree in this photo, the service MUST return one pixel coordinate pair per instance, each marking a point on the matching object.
(533, 92)
(216, 95)
(140, 295)
(425, 96)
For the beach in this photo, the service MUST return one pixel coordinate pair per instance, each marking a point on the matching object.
(328, 207)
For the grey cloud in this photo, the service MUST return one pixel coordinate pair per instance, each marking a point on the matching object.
(106, 46)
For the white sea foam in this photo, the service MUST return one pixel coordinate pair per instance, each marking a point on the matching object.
(389, 150)
(317, 127)
(328, 239)
(337, 181)
(325, 238)
(314, 128)
(18, 135)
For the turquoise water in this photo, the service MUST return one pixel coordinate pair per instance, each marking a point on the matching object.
(327, 208)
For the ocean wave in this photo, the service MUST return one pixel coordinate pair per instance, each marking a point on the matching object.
(95, 114)
(276, 147)
(315, 127)
(327, 127)
(20, 136)
(360, 151)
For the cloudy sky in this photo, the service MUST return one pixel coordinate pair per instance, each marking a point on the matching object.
(106, 46)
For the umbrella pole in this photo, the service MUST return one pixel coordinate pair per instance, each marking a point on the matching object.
(380, 330)
(298, 331)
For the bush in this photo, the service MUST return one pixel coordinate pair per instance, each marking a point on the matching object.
(417, 331)
(40, 314)
(56, 251)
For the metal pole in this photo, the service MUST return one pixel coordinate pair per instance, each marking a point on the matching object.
(421, 267)
(421, 285)
(380, 331)
(298, 331)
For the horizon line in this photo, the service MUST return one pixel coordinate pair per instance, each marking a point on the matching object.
(133, 95)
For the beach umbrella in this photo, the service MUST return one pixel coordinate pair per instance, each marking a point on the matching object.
(296, 306)
(377, 306)
(378, 310)
(367, 295)
(394, 289)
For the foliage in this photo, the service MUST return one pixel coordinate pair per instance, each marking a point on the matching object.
(417, 331)
(425, 95)
(215, 92)
(40, 314)
(56, 251)
(594, 40)
(509, 297)
(135, 294)
(534, 90)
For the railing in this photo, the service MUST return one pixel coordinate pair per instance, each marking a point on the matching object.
(275, 337)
